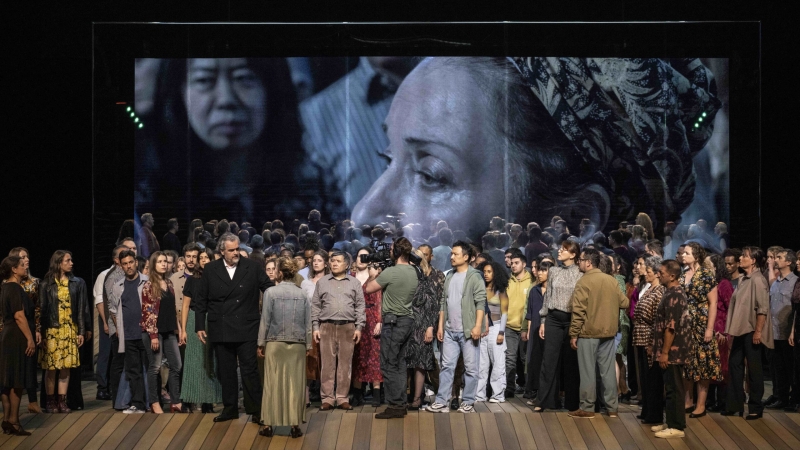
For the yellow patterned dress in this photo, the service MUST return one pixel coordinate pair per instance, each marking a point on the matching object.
(62, 342)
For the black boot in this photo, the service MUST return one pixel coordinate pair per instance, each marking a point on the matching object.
(358, 397)
(376, 397)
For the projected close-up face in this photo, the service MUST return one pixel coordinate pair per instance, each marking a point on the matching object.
(445, 153)
(225, 102)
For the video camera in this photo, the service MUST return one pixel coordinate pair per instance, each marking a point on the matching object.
(383, 257)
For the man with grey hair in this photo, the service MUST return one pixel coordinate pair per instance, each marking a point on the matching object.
(441, 254)
(149, 243)
(228, 297)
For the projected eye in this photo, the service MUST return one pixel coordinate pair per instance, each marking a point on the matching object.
(432, 173)
(245, 77)
(202, 82)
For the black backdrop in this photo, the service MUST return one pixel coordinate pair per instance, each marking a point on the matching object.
(47, 162)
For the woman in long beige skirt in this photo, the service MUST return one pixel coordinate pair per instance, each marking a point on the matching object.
(283, 340)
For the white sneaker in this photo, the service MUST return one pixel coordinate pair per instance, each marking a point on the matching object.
(497, 400)
(466, 409)
(657, 428)
(438, 408)
(133, 410)
(428, 392)
(670, 433)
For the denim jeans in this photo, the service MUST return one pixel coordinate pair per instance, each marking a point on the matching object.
(167, 345)
(495, 355)
(455, 344)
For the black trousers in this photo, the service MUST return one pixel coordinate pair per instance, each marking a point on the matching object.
(116, 367)
(633, 369)
(782, 366)
(394, 340)
(228, 354)
(741, 348)
(652, 391)
(557, 353)
(135, 359)
(675, 392)
(535, 354)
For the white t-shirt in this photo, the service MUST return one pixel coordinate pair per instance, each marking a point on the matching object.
(454, 293)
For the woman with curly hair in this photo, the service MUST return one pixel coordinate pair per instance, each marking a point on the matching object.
(703, 365)
(493, 345)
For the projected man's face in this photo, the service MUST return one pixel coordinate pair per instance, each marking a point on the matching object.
(442, 141)
(225, 102)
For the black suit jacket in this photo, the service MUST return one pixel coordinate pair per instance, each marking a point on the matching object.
(230, 305)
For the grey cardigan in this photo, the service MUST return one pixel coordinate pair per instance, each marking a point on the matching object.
(473, 299)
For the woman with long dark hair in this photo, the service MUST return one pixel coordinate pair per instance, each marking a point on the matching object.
(17, 345)
(65, 306)
(199, 383)
(650, 377)
(493, 345)
(425, 306)
(30, 285)
(161, 325)
(319, 267)
(555, 317)
(367, 355)
(235, 121)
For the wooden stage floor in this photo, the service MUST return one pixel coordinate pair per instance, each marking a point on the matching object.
(511, 425)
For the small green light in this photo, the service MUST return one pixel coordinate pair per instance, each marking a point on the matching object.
(700, 119)
(704, 114)
(128, 109)
(132, 114)
(696, 125)
(141, 125)
(136, 120)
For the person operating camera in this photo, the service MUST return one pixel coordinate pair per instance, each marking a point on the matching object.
(398, 283)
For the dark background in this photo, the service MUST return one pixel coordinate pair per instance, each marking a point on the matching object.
(47, 162)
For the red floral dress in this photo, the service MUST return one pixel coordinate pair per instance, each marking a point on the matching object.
(367, 354)
(724, 294)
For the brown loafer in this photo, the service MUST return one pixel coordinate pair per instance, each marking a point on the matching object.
(581, 414)
(346, 406)
(326, 407)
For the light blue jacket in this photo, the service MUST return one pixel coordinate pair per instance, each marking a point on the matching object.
(285, 315)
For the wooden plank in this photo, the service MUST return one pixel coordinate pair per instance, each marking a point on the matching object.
(363, 431)
(554, 430)
(57, 431)
(588, 433)
(601, 427)
(234, 431)
(97, 438)
(704, 435)
(520, 405)
(185, 431)
(571, 431)
(151, 434)
(135, 434)
(330, 432)
(39, 433)
(278, 442)
(82, 431)
(539, 431)
(751, 434)
(346, 431)
(494, 407)
(475, 432)
(427, 432)
(458, 430)
(377, 438)
(411, 431)
(728, 429)
(763, 429)
(218, 431)
(491, 434)
(314, 431)
(507, 406)
(639, 436)
(165, 436)
(249, 435)
(523, 431)
(115, 438)
(621, 434)
(691, 439)
(296, 443)
(444, 440)
(481, 407)
(776, 420)
(394, 434)
(507, 434)
(717, 433)
(677, 444)
(795, 418)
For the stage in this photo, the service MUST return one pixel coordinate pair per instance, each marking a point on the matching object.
(510, 426)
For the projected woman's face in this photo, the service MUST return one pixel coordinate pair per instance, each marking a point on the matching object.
(225, 102)
(445, 158)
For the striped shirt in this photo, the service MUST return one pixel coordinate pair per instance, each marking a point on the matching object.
(561, 282)
(344, 132)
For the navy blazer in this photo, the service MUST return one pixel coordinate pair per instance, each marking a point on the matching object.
(230, 305)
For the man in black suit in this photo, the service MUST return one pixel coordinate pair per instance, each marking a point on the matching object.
(228, 297)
